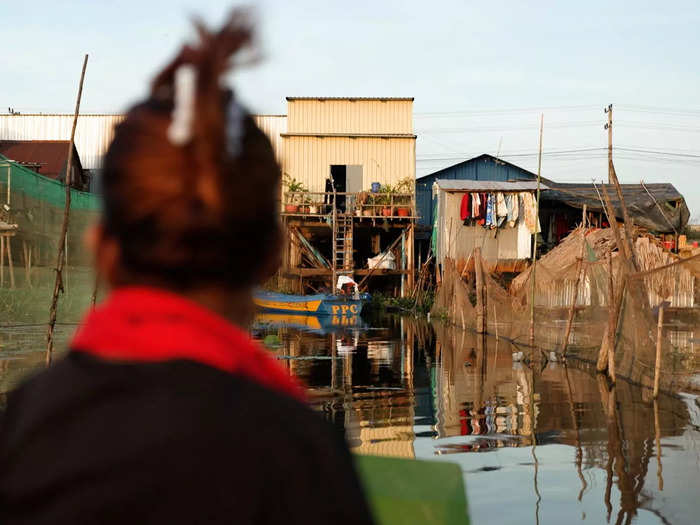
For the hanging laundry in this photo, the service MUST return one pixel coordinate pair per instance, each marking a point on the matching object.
(501, 209)
(530, 212)
(465, 210)
(509, 209)
(515, 212)
(475, 205)
(490, 211)
(562, 228)
(483, 204)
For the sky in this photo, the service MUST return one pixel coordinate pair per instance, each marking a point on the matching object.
(481, 73)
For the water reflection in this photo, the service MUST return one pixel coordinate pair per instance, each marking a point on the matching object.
(561, 443)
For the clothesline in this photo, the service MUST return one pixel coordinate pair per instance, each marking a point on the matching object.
(499, 209)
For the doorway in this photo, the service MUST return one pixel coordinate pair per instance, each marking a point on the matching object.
(346, 178)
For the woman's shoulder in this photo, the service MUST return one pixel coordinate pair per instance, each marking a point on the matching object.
(210, 399)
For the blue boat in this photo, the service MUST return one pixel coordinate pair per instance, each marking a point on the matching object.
(319, 304)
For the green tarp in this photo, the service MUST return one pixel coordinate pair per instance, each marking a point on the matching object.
(28, 184)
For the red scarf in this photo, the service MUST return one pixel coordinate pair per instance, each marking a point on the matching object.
(152, 325)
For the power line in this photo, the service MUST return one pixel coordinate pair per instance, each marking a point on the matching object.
(501, 111)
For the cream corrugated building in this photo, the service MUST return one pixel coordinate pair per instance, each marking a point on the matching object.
(372, 138)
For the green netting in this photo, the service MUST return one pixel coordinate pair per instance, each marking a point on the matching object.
(31, 217)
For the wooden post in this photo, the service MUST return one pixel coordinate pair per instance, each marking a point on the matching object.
(534, 240)
(608, 126)
(659, 340)
(60, 258)
(2, 260)
(410, 256)
(8, 243)
(403, 263)
(478, 271)
(579, 269)
(613, 319)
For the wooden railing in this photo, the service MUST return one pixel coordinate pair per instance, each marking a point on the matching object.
(363, 204)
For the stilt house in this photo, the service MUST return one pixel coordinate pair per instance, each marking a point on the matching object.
(349, 192)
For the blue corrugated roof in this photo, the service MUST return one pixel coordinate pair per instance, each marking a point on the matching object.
(485, 167)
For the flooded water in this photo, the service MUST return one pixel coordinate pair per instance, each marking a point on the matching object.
(536, 443)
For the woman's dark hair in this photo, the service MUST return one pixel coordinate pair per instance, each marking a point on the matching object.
(196, 213)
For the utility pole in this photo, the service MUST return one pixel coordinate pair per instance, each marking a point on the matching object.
(612, 179)
(608, 126)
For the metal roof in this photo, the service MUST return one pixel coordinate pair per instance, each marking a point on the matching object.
(352, 99)
(487, 185)
(92, 136)
(656, 206)
(497, 161)
(49, 155)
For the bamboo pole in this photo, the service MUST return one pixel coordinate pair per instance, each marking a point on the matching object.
(659, 340)
(478, 271)
(534, 239)
(613, 323)
(60, 257)
(579, 268)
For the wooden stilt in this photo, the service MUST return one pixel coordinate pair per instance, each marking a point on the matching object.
(2, 260)
(611, 327)
(410, 255)
(9, 262)
(579, 269)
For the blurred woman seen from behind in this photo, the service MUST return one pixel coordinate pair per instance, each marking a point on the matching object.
(164, 411)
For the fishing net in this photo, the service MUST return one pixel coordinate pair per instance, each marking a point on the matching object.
(31, 216)
(568, 294)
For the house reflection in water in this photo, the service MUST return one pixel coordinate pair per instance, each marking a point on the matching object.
(409, 389)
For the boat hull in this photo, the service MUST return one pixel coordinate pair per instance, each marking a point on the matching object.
(320, 304)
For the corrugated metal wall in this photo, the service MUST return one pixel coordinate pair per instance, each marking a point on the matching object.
(308, 159)
(95, 132)
(348, 116)
(273, 126)
(484, 167)
(92, 135)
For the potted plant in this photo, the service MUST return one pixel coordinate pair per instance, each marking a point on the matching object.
(363, 206)
(385, 199)
(294, 187)
(405, 189)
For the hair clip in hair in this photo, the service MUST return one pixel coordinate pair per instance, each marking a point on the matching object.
(185, 81)
(234, 128)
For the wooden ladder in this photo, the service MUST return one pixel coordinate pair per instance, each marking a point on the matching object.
(342, 244)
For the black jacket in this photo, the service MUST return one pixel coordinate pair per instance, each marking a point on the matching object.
(89, 441)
